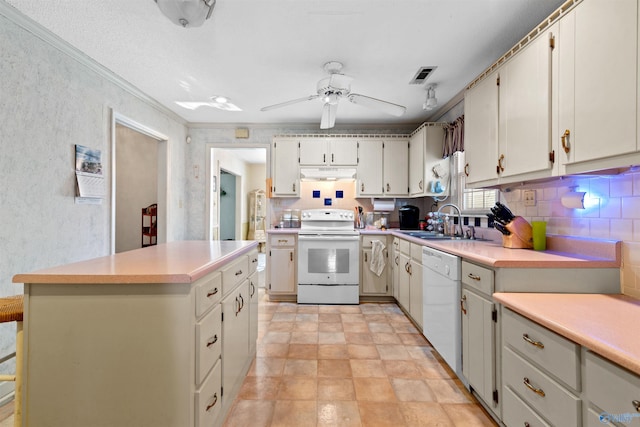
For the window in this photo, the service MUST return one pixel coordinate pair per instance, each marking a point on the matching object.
(478, 200)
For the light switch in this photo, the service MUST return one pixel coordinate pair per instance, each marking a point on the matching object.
(529, 197)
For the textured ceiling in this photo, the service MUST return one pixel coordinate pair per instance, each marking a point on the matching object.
(262, 52)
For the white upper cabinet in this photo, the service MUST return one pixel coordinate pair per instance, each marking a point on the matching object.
(426, 165)
(481, 131)
(370, 167)
(524, 136)
(598, 88)
(329, 152)
(285, 173)
(396, 167)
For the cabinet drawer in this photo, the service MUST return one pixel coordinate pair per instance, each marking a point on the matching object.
(405, 246)
(558, 405)
(517, 413)
(282, 240)
(208, 399)
(253, 262)
(366, 240)
(611, 387)
(234, 273)
(593, 419)
(416, 252)
(208, 342)
(556, 354)
(477, 277)
(208, 292)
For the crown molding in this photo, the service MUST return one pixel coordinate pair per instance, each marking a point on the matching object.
(37, 30)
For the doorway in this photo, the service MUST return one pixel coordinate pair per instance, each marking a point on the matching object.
(228, 202)
(139, 179)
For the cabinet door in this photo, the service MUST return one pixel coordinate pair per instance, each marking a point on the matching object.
(525, 109)
(478, 343)
(313, 152)
(373, 284)
(235, 335)
(343, 152)
(370, 167)
(396, 167)
(404, 281)
(395, 268)
(253, 312)
(602, 71)
(415, 292)
(285, 171)
(282, 270)
(416, 162)
(481, 130)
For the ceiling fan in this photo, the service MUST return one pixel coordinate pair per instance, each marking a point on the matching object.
(331, 89)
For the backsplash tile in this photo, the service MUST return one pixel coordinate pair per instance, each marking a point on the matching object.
(613, 212)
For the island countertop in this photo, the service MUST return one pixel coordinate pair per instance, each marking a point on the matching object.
(173, 262)
(602, 323)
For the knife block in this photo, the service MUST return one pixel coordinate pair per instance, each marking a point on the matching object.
(521, 236)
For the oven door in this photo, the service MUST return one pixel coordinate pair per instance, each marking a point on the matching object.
(328, 259)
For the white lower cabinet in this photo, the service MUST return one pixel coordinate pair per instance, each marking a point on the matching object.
(281, 266)
(370, 282)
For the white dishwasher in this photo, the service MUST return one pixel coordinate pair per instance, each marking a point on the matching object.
(441, 309)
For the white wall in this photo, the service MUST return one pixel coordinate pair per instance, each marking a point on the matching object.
(48, 103)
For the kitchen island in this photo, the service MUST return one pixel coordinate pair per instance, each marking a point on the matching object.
(138, 338)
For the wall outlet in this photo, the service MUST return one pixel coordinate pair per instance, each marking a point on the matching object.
(529, 197)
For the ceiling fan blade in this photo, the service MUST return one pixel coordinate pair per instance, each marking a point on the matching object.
(378, 104)
(293, 101)
(328, 116)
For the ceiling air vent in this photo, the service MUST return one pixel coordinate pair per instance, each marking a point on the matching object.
(422, 75)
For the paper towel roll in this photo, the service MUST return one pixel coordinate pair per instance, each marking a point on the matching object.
(383, 205)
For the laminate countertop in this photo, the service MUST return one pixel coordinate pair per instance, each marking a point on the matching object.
(562, 251)
(605, 324)
(173, 262)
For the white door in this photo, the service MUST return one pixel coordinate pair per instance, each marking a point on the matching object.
(285, 172)
(370, 167)
(396, 167)
(416, 162)
(282, 270)
(343, 152)
(313, 152)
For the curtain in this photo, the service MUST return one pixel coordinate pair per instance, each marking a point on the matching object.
(453, 137)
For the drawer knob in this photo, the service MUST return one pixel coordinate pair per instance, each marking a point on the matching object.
(213, 341)
(473, 277)
(636, 404)
(537, 391)
(212, 293)
(213, 403)
(532, 342)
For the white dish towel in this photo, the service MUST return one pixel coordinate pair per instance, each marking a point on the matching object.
(377, 257)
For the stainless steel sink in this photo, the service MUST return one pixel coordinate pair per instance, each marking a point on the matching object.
(430, 235)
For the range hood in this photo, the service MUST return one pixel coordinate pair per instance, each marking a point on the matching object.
(327, 174)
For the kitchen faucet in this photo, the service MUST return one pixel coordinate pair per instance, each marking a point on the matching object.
(459, 215)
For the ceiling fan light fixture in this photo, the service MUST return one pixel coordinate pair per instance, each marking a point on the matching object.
(187, 13)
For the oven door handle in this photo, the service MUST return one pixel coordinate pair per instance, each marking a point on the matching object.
(330, 237)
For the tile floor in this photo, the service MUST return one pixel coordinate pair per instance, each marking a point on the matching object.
(343, 366)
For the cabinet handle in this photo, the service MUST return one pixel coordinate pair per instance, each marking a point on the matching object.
(463, 300)
(466, 169)
(212, 404)
(526, 424)
(410, 270)
(239, 272)
(332, 158)
(253, 261)
(420, 185)
(388, 188)
(324, 158)
(365, 257)
(291, 256)
(500, 168)
(253, 289)
(537, 391)
(563, 138)
(241, 302)
(396, 260)
(213, 341)
(237, 306)
(212, 293)
(473, 277)
(636, 404)
(294, 186)
(282, 241)
(406, 267)
(362, 186)
(532, 342)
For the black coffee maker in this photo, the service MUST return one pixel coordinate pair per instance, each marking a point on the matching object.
(409, 217)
